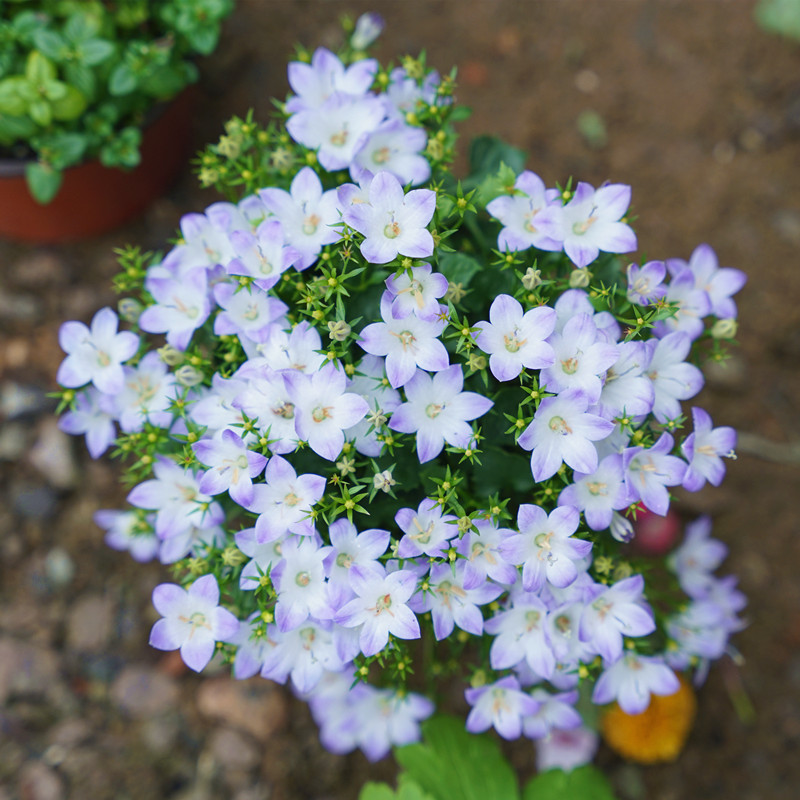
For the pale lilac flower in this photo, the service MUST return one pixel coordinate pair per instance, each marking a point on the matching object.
(351, 548)
(214, 408)
(650, 470)
(571, 303)
(482, 557)
(284, 502)
(263, 557)
(324, 409)
(556, 712)
(521, 635)
(267, 400)
(616, 611)
(544, 546)
(590, 222)
(393, 720)
(407, 344)
(427, 530)
(252, 647)
(174, 493)
(396, 148)
(621, 528)
(626, 390)
(298, 349)
(193, 620)
(246, 312)
(437, 411)
(693, 305)
(306, 214)
(515, 340)
(182, 306)
(380, 608)
(719, 283)
(530, 216)
(450, 603)
(232, 466)
(598, 494)
(193, 540)
(305, 653)
(563, 633)
(697, 632)
(393, 223)
(125, 530)
(632, 679)
(205, 236)
(416, 291)
(704, 449)
(338, 128)
(299, 581)
(566, 749)
(697, 557)
(314, 83)
(673, 378)
(646, 283)
(93, 416)
(562, 431)
(404, 94)
(95, 354)
(501, 705)
(371, 383)
(146, 395)
(262, 255)
(580, 359)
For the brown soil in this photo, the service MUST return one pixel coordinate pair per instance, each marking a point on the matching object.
(702, 114)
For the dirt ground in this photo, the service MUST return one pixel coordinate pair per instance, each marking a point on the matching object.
(701, 111)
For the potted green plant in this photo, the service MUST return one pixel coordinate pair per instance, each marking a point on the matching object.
(85, 83)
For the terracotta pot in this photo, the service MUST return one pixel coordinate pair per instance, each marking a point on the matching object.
(94, 199)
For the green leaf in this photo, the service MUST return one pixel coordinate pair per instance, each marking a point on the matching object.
(584, 783)
(66, 149)
(203, 40)
(459, 267)
(487, 153)
(95, 51)
(38, 68)
(81, 77)
(10, 100)
(376, 791)
(14, 129)
(50, 43)
(779, 16)
(70, 106)
(455, 764)
(80, 27)
(44, 181)
(122, 80)
(40, 112)
(164, 82)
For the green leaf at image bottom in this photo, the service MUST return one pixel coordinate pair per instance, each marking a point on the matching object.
(407, 790)
(452, 763)
(584, 783)
(43, 181)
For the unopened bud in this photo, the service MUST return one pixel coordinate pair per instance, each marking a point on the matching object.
(368, 28)
(232, 556)
(130, 309)
(724, 328)
(170, 355)
(187, 375)
(532, 278)
(579, 278)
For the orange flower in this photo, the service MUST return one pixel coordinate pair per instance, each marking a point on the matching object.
(658, 733)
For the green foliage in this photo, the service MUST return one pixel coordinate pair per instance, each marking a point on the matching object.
(78, 76)
(407, 789)
(584, 783)
(453, 763)
(779, 16)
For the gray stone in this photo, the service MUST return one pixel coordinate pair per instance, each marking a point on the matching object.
(52, 455)
(38, 782)
(144, 692)
(90, 623)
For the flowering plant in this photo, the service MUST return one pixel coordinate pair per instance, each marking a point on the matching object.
(393, 430)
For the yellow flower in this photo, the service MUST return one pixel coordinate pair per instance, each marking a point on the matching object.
(658, 733)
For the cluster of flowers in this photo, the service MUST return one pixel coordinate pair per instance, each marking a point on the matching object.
(332, 446)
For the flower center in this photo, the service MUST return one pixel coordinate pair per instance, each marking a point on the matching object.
(532, 618)
(339, 139)
(383, 603)
(291, 499)
(344, 560)
(381, 156)
(310, 224)
(580, 228)
(286, 411)
(321, 413)
(512, 342)
(392, 230)
(597, 488)
(559, 425)
(433, 410)
(570, 365)
(302, 579)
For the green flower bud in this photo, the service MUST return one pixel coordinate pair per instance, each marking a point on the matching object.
(579, 278)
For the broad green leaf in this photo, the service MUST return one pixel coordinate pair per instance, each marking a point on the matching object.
(452, 763)
(40, 112)
(50, 43)
(14, 129)
(584, 783)
(779, 16)
(80, 27)
(122, 80)
(43, 181)
(459, 267)
(95, 51)
(10, 100)
(164, 82)
(38, 68)
(70, 106)
(204, 40)
(66, 149)
(487, 153)
(406, 790)
(82, 78)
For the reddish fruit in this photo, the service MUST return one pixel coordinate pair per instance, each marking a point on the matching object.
(655, 535)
